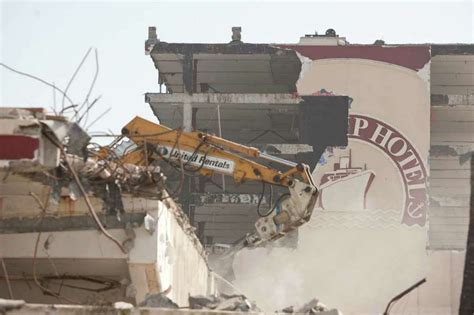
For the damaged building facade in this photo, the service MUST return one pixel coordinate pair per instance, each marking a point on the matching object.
(58, 246)
(386, 129)
(394, 195)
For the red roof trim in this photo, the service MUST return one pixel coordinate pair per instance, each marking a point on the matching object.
(412, 57)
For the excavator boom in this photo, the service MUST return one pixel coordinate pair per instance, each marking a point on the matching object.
(208, 154)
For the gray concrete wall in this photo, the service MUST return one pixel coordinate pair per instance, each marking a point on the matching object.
(452, 138)
(452, 74)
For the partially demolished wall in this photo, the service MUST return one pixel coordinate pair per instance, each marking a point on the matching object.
(123, 239)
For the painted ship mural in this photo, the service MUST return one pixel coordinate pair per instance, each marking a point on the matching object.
(345, 188)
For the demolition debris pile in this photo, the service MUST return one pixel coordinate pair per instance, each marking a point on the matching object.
(234, 303)
(312, 307)
(55, 149)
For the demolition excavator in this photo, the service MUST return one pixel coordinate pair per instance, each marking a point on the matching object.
(207, 154)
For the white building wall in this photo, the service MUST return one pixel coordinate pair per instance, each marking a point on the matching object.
(181, 263)
(358, 260)
(168, 257)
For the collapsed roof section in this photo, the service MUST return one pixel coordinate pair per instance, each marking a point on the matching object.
(26, 147)
(55, 154)
(235, 67)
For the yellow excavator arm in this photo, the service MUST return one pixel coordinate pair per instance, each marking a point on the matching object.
(208, 154)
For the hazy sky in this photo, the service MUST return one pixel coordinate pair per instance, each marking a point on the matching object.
(49, 39)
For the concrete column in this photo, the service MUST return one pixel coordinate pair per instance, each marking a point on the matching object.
(187, 115)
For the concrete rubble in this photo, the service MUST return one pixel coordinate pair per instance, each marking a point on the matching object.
(214, 304)
(103, 175)
(233, 303)
(223, 302)
(312, 307)
(34, 125)
(9, 305)
(158, 300)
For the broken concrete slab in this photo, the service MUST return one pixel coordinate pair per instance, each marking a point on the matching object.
(9, 305)
(158, 300)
